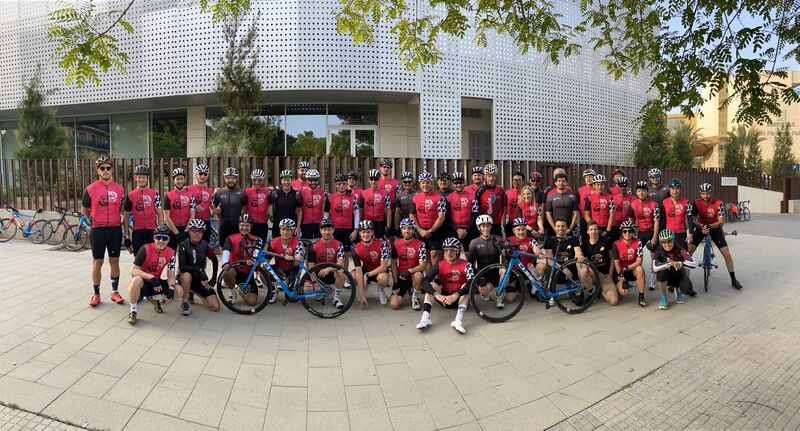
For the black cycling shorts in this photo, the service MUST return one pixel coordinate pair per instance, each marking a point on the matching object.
(139, 238)
(402, 286)
(225, 231)
(562, 277)
(251, 287)
(260, 230)
(198, 288)
(343, 236)
(105, 238)
(174, 238)
(676, 279)
(310, 231)
(629, 276)
(435, 241)
(717, 236)
(149, 288)
(379, 229)
(453, 305)
(645, 238)
(680, 239)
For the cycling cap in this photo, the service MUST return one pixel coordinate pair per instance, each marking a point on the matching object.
(326, 222)
(245, 218)
(178, 171)
(407, 222)
(675, 183)
(352, 174)
(387, 162)
(103, 160)
(483, 219)
(374, 174)
(451, 243)
(231, 172)
(623, 181)
(666, 235)
(477, 170)
(458, 177)
(536, 176)
(161, 229)
(312, 174)
(519, 221)
(286, 173)
(589, 173)
(202, 169)
(425, 176)
(706, 187)
(287, 223)
(303, 165)
(407, 176)
(599, 178)
(196, 224)
(257, 174)
(642, 185)
(366, 225)
(491, 168)
(654, 173)
(340, 178)
(627, 224)
(141, 170)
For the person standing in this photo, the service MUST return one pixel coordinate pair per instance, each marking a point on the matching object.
(179, 208)
(144, 204)
(229, 203)
(286, 203)
(258, 205)
(313, 205)
(202, 195)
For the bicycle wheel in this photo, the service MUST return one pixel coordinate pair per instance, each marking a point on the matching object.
(706, 265)
(54, 232)
(36, 231)
(77, 237)
(6, 233)
(497, 303)
(746, 214)
(322, 296)
(213, 239)
(244, 298)
(574, 297)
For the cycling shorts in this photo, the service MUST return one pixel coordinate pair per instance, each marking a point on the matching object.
(717, 236)
(140, 237)
(149, 288)
(310, 231)
(343, 236)
(104, 239)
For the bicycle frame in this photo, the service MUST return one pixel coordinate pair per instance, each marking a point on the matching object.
(555, 267)
(26, 229)
(293, 293)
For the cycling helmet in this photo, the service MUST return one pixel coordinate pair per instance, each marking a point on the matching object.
(425, 176)
(626, 225)
(666, 235)
(387, 162)
(675, 183)
(477, 170)
(623, 181)
(536, 176)
(340, 178)
(352, 174)
(599, 178)
(141, 170)
(641, 185)
(178, 171)
(202, 168)
(706, 187)
(407, 176)
(257, 174)
(286, 173)
(303, 165)
(326, 222)
(245, 218)
(407, 222)
(654, 173)
(312, 174)
(374, 174)
(458, 177)
(443, 176)
(491, 168)
(287, 223)
(451, 243)
(230, 172)
(162, 229)
(619, 171)
(589, 173)
(484, 219)
(519, 221)
(103, 160)
(366, 225)
(196, 224)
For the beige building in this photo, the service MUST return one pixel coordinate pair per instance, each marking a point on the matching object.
(715, 123)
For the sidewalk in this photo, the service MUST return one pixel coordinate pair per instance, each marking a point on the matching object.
(372, 370)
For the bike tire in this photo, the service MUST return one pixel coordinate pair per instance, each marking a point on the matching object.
(576, 302)
(746, 214)
(76, 238)
(232, 297)
(36, 231)
(213, 239)
(706, 265)
(487, 310)
(9, 233)
(322, 305)
(54, 232)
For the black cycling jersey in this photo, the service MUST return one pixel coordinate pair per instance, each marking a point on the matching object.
(405, 203)
(563, 247)
(285, 204)
(192, 258)
(230, 202)
(483, 252)
(562, 206)
(598, 253)
(539, 196)
(658, 194)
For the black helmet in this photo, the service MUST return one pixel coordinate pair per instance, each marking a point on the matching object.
(458, 177)
(161, 229)
(675, 183)
(387, 162)
(326, 222)
(141, 170)
(444, 176)
(340, 178)
(352, 174)
(178, 171)
(374, 174)
(245, 218)
(477, 170)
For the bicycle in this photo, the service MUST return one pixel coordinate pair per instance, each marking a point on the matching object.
(316, 291)
(744, 211)
(52, 232)
(78, 234)
(32, 229)
(213, 240)
(708, 257)
(572, 299)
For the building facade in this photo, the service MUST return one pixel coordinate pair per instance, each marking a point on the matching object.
(477, 103)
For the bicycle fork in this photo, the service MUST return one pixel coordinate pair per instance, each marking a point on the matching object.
(532, 280)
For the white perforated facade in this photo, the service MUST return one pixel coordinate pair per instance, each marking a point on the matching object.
(571, 112)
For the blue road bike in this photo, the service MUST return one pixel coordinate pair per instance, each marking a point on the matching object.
(33, 229)
(78, 234)
(708, 258)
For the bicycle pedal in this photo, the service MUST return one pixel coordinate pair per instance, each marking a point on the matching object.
(285, 301)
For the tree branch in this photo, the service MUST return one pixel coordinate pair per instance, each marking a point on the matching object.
(99, 35)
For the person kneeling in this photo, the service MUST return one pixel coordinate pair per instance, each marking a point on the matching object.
(192, 255)
(146, 272)
(328, 250)
(292, 250)
(371, 261)
(597, 250)
(238, 247)
(669, 262)
(455, 275)
(409, 259)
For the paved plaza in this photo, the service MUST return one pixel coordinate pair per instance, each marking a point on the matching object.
(724, 360)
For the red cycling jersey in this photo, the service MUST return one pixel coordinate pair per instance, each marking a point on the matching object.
(491, 201)
(258, 203)
(155, 261)
(369, 256)
(142, 204)
(600, 207)
(524, 246)
(180, 204)
(708, 213)
(357, 192)
(427, 207)
(342, 208)
(645, 213)
(676, 213)
(454, 275)
(238, 242)
(530, 211)
(299, 184)
(614, 190)
(472, 189)
(313, 204)
(293, 248)
(409, 253)
(622, 208)
(202, 201)
(105, 202)
(391, 186)
(459, 207)
(627, 253)
(331, 251)
(583, 193)
(511, 201)
(374, 202)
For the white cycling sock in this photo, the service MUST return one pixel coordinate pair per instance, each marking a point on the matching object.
(460, 314)
(133, 306)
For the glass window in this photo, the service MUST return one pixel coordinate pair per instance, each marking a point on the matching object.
(8, 130)
(129, 135)
(365, 143)
(266, 141)
(68, 123)
(168, 134)
(92, 136)
(339, 115)
(305, 130)
(340, 142)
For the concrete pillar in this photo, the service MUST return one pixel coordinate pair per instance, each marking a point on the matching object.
(196, 131)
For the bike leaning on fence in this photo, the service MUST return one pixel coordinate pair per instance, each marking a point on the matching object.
(708, 257)
(32, 229)
(56, 229)
(316, 287)
(573, 298)
(78, 234)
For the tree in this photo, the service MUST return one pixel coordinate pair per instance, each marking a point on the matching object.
(784, 157)
(652, 148)
(306, 144)
(752, 159)
(40, 133)
(683, 139)
(733, 146)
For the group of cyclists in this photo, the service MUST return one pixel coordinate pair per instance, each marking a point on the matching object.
(405, 237)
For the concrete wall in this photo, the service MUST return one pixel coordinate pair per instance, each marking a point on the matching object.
(761, 201)
(196, 131)
(483, 124)
(398, 126)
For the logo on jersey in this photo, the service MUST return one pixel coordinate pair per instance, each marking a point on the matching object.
(314, 201)
(373, 256)
(461, 204)
(342, 206)
(677, 210)
(408, 254)
(428, 205)
(144, 202)
(600, 205)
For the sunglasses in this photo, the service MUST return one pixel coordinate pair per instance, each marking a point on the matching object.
(161, 237)
(627, 231)
(408, 181)
(196, 230)
(313, 181)
(202, 174)
(105, 168)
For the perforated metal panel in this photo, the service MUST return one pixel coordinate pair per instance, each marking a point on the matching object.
(571, 112)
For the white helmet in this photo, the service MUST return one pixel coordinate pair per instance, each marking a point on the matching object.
(484, 219)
